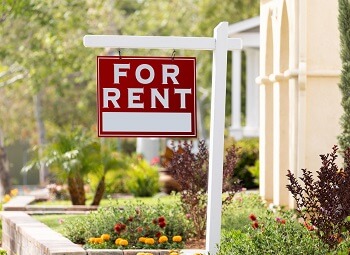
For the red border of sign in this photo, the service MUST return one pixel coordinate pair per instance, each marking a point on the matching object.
(102, 133)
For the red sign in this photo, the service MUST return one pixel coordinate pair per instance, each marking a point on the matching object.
(146, 96)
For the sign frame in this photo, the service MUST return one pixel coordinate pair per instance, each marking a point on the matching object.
(142, 122)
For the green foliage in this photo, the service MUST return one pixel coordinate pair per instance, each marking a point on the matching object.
(272, 234)
(3, 252)
(247, 168)
(344, 84)
(143, 179)
(235, 216)
(138, 219)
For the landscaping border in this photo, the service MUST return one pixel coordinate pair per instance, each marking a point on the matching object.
(24, 235)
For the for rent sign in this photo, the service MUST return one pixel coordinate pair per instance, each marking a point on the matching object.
(146, 96)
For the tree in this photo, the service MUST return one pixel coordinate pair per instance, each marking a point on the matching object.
(74, 154)
(344, 84)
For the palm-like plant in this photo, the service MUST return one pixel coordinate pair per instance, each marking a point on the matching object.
(72, 156)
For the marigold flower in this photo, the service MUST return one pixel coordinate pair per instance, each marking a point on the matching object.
(98, 240)
(139, 229)
(142, 239)
(117, 241)
(149, 241)
(174, 253)
(163, 239)
(252, 217)
(283, 221)
(105, 237)
(123, 242)
(161, 219)
(177, 239)
(255, 224)
(92, 240)
(14, 192)
(6, 198)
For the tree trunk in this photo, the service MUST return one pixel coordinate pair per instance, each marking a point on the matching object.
(4, 172)
(76, 189)
(100, 190)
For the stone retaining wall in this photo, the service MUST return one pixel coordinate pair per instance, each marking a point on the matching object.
(23, 235)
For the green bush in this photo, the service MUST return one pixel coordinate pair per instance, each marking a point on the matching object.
(248, 154)
(272, 235)
(143, 179)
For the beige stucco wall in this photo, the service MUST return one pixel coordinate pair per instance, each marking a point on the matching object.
(299, 60)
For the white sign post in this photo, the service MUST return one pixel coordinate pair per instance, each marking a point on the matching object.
(219, 44)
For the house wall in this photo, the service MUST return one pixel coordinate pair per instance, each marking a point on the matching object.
(299, 95)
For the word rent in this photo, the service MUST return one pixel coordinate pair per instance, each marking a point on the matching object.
(144, 75)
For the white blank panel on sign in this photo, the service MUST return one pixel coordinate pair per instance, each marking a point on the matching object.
(146, 122)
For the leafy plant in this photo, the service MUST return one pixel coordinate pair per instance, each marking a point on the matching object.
(190, 170)
(248, 151)
(272, 234)
(143, 179)
(325, 202)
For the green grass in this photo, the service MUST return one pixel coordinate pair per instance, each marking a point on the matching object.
(55, 221)
(121, 201)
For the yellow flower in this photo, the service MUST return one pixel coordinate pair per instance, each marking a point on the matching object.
(98, 240)
(123, 242)
(163, 239)
(117, 241)
(177, 239)
(149, 241)
(105, 237)
(14, 192)
(92, 240)
(6, 198)
(174, 253)
(142, 239)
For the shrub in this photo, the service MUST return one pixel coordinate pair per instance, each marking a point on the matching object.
(143, 179)
(190, 170)
(248, 151)
(271, 234)
(325, 201)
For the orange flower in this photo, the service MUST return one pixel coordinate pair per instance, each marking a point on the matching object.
(117, 241)
(177, 239)
(149, 241)
(142, 239)
(98, 240)
(163, 239)
(123, 242)
(105, 237)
